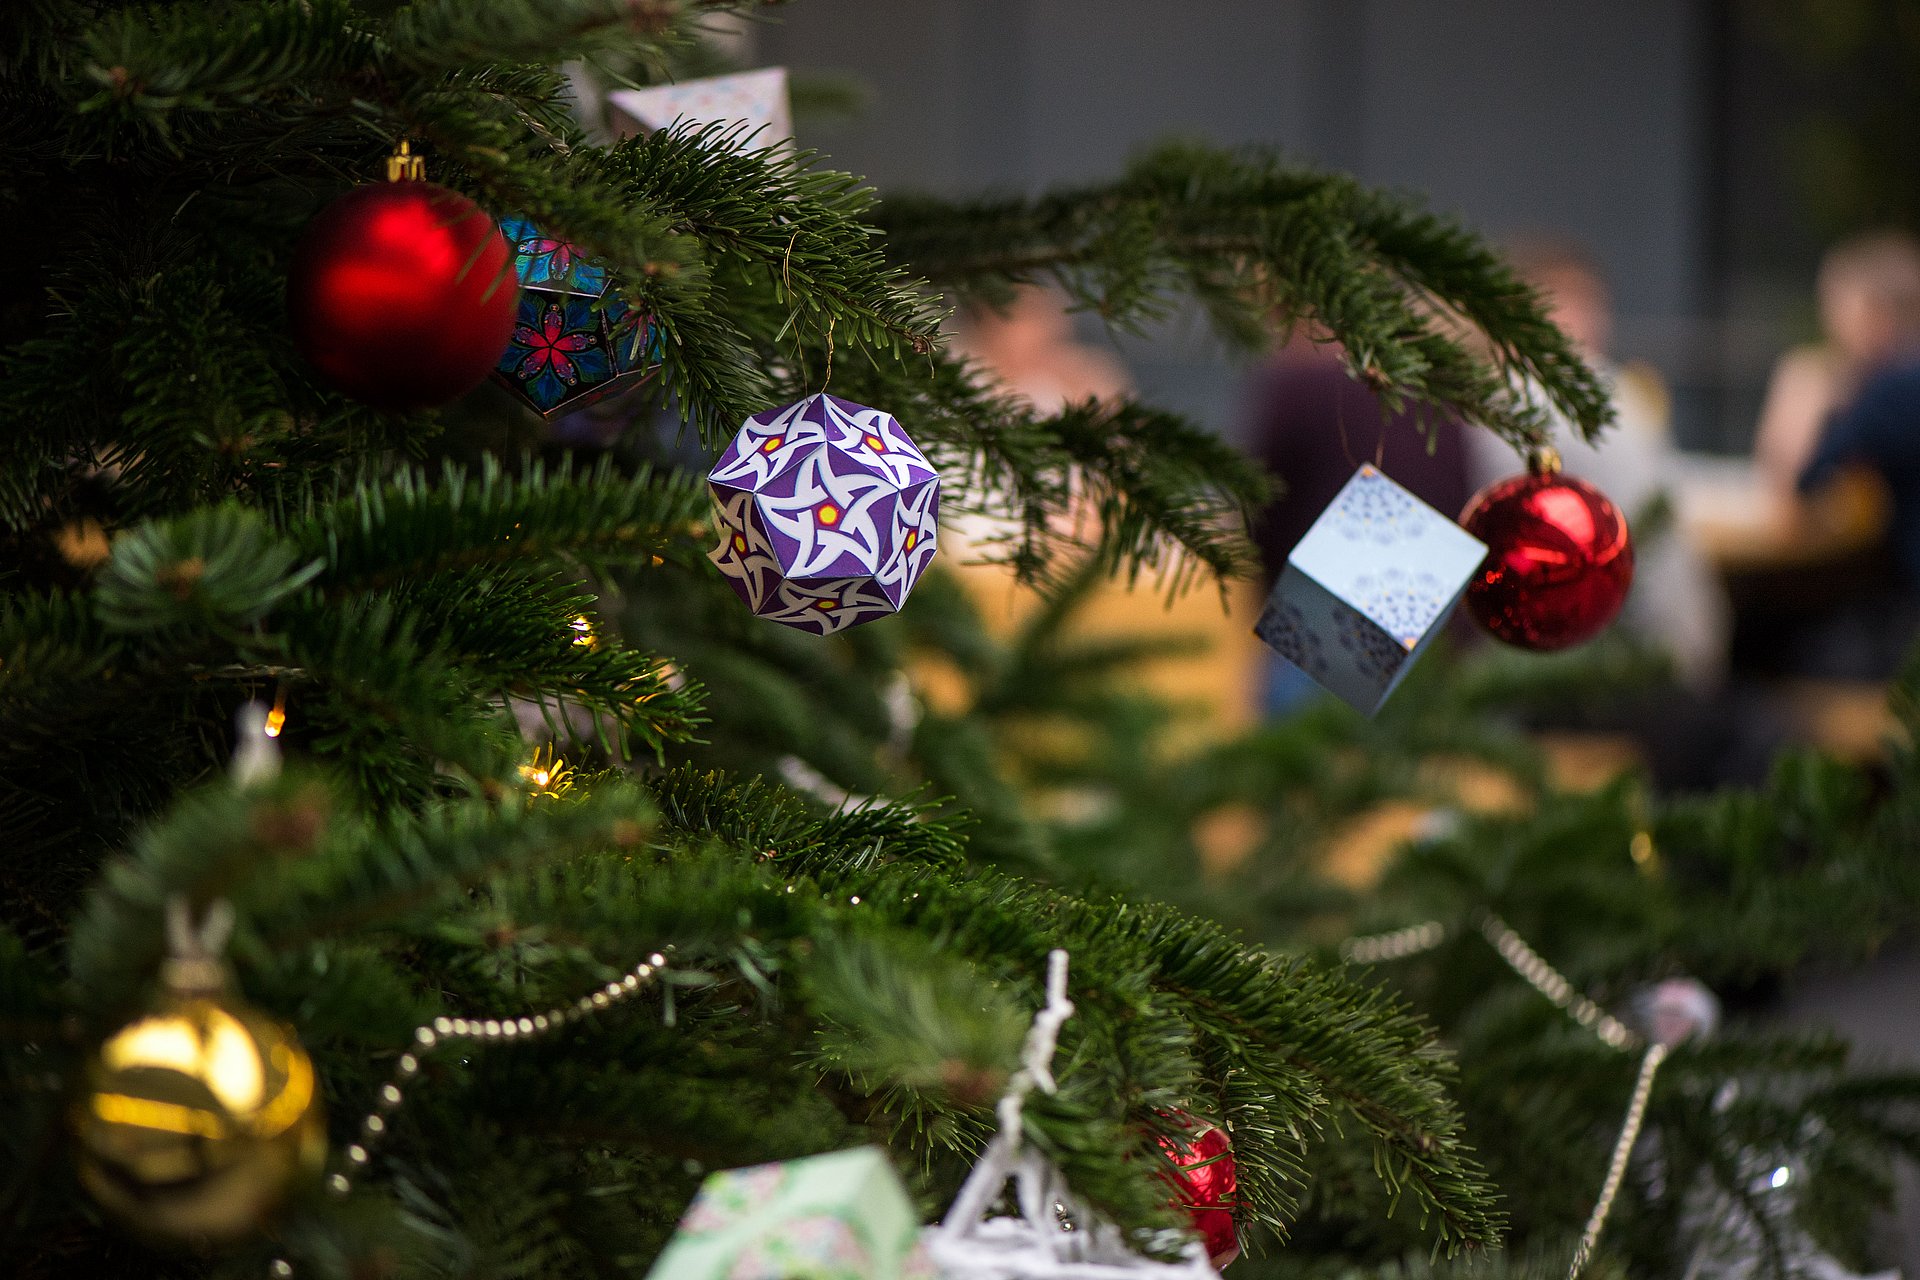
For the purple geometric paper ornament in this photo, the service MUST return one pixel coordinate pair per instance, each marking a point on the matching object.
(828, 514)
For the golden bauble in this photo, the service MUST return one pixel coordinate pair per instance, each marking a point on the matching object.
(196, 1119)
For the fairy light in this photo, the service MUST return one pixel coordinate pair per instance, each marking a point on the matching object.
(547, 774)
(584, 635)
(277, 716)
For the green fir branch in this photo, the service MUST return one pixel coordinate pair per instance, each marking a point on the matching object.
(1250, 239)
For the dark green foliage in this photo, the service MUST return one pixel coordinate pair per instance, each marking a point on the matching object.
(1740, 889)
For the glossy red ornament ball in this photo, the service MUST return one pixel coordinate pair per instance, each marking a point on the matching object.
(1559, 560)
(402, 294)
(1206, 1184)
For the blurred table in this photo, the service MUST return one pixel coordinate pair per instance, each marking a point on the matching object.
(1744, 525)
(1783, 562)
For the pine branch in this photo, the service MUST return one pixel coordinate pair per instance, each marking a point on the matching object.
(296, 873)
(1245, 236)
(1300, 1042)
(151, 63)
(412, 528)
(1143, 488)
(220, 569)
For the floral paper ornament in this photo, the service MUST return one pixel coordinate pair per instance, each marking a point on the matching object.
(571, 344)
(828, 514)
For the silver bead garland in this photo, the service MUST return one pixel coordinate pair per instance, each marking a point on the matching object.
(429, 1036)
(1617, 1166)
(1552, 984)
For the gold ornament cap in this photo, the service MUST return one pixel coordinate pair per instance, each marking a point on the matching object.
(404, 166)
(1543, 460)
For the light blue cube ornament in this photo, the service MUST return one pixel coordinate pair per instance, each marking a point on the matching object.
(1367, 587)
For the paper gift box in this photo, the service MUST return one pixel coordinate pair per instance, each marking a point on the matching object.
(755, 99)
(1367, 588)
(843, 1216)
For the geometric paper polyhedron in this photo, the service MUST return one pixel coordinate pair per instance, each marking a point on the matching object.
(828, 514)
(1366, 589)
(569, 348)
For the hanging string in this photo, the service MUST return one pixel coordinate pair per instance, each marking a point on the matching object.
(375, 1125)
(1551, 983)
(1617, 1166)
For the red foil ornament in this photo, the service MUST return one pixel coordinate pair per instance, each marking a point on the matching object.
(1559, 559)
(402, 294)
(1206, 1184)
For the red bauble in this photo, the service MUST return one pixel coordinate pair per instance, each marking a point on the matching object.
(1559, 560)
(1206, 1184)
(402, 294)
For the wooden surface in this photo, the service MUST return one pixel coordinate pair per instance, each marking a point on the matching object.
(1744, 525)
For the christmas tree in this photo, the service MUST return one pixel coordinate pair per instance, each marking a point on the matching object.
(540, 878)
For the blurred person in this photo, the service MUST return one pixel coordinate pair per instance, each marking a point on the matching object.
(1677, 603)
(1879, 430)
(1030, 350)
(1869, 296)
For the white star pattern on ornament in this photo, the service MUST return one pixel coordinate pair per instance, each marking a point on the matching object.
(828, 514)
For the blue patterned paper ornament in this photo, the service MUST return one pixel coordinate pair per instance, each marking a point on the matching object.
(569, 347)
(828, 514)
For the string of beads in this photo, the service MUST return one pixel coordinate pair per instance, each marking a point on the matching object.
(442, 1031)
(1551, 983)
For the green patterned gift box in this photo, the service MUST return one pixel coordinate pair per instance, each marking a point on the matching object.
(843, 1216)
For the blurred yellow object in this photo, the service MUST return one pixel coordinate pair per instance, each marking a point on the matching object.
(1214, 688)
(196, 1118)
(1359, 851)
(1846, 718)
(1227, 836)
(1473, 785)
(1744, 526)
(1587, 761)
(82, 543)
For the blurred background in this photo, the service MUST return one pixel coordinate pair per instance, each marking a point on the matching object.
(1693, 163)
(1705, 152)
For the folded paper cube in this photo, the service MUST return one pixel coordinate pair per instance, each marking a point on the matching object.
(843, 1216)
(1366, 589)
(828, 514)
(756, 100)
(571, 344)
